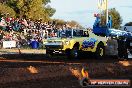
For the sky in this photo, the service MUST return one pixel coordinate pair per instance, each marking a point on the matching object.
(83, 11)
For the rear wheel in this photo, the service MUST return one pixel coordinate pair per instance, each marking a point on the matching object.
(100, 52)
(49, 53)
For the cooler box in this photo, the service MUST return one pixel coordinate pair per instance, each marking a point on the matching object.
(34, 44)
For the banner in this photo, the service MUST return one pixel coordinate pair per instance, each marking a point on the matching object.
(9, 44)
(102, 4)
(105, 83)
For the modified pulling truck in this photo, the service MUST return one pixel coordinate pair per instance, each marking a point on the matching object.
(72, 41)
(99, 41)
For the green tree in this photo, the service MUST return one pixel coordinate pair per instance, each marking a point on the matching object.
(50, 10)
(74, 24)
(34, 9)
(116, 18)
(128, 24)
(6, 10)
(45, 2)
(59, 22)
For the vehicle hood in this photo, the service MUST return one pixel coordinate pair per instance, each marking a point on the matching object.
(56, 39)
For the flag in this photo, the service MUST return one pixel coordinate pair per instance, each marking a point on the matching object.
(102, 4)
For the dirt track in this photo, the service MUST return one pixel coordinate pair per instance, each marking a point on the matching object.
(38, 71)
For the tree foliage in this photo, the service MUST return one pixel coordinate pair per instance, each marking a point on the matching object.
(74, 24)
(45, 2)
(6, 10)
(34, 9)
(128, 24)
(60, 23)
(116, 18)
(50, 11)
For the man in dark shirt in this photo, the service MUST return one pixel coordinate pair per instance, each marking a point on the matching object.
(122, 48)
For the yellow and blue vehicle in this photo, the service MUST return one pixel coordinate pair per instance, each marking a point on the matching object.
(73, 41)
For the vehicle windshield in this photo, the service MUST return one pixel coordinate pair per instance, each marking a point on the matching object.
(65, 33)
(72, 33)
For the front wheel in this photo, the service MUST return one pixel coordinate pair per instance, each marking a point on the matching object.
(73, 53)
(100, 52)
(49, 53)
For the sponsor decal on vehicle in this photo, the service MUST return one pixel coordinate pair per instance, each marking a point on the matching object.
(89, 43)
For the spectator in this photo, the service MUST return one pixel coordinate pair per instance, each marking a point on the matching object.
(122, 48)
(3, 23)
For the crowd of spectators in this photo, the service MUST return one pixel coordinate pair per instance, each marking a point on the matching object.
(26, 30)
